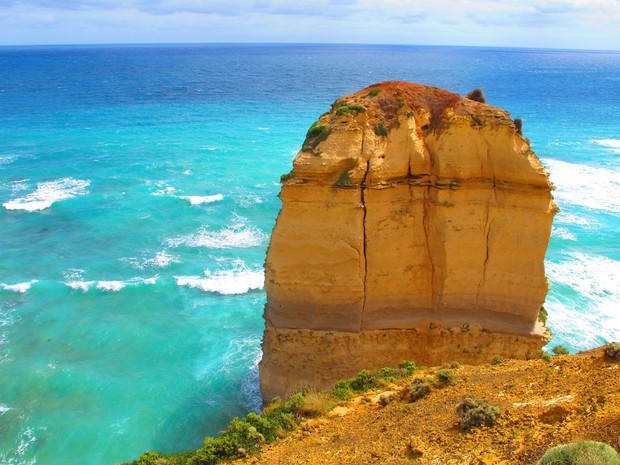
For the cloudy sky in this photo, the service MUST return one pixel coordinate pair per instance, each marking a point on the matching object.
(584, 24)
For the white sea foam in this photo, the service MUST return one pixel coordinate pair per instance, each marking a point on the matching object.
(613, 144)
(4, 408)
(80, 285)
(48, 193)
(597, 279)
(151, 281)
(239, 280)
(235, 236)
(200, 199)
(563, 233)
(162, 259)
(113, 286)
(19, 287)
(585, 186)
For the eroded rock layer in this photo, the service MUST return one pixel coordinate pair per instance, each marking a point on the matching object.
(414, 225)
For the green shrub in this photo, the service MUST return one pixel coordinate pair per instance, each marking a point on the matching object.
(581, 453)
(381, 130)
(545, 356)
(285, 177)
(542, 315)
(497, 360)
(407, 367)
(315, 135)
(613, 351)
(560, 350)
(445, 377)
(476, 413)
(364, 381)
(149, 458)
(410, 114)
(388, 374)
(349, 110)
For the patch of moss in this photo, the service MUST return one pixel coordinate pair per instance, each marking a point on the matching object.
(349, 110)
(372, 93)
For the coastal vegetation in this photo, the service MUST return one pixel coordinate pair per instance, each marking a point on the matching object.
(433, 419)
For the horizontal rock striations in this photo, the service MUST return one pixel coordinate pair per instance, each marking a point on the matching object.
(414, 225)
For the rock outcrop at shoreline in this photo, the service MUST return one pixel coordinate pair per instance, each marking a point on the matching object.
(414, 225)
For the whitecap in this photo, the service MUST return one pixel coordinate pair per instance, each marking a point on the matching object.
(151, 281)
(47, 193)
(19, 287)
(200, 199)
(585, 186)
(235, 236)
(226, 282)
(597, 279)
(162, 259)
(563, 233)
(613, 144)
(113, 286)
(3, 409)
(80, 285)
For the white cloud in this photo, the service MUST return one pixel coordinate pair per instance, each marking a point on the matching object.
(547, 23)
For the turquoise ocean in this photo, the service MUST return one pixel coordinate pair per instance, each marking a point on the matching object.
(138, 190)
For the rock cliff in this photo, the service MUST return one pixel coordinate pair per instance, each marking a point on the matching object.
(414, 225)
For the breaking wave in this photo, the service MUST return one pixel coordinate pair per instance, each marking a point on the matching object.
(47, 193)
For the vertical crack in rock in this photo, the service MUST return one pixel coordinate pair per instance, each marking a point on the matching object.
(363, 188)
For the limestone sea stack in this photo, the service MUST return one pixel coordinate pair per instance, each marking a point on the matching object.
(414, 226)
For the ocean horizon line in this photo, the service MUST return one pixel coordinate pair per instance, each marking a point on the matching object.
(294, 44)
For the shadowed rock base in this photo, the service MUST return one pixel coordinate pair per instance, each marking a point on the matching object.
(301, 357)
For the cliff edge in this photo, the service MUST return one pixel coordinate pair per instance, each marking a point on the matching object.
(414, 225)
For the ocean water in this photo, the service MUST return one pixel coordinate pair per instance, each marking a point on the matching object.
(138, 189)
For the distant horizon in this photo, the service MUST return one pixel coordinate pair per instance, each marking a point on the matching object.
(549, 24)
(326, 44)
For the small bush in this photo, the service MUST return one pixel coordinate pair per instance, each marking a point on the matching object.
(519, 125)
(560, 350)
(542, 315)
(285, 177)
(497, 360)
(445, 377)
(417, 390)
(476, 95)
(386, 399)
(581, 453)
(476, 413)
(381, 130)
(372, 93)
(613, 352)
(315, 403)
(388, 374)
(315, 135)
(545, 356)
(410, 114)
(364, 381)
(408, 367)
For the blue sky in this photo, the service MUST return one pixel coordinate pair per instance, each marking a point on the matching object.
(584, 24)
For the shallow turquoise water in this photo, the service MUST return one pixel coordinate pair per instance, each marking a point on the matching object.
(139, 188)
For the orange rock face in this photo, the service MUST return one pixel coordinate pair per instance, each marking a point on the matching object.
(414, 225)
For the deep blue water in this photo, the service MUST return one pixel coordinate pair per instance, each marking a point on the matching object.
(138, 188)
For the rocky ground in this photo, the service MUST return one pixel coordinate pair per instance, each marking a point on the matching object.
(570, 398)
